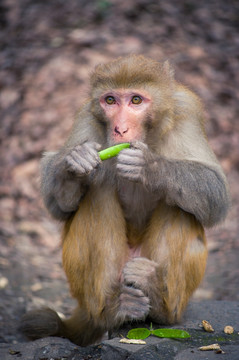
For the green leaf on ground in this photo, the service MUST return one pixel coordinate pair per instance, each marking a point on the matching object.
(170, 333)
(138, 333)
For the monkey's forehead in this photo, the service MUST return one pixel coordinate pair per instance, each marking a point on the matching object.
(131, 71)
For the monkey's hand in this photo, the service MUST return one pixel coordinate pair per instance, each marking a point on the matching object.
(135, 163)
(83, 159)
(139, 273)
(133, 304)
(63, 177)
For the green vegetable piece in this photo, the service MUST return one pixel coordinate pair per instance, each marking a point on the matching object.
(138, 334)
(112, 151)
(170, 333)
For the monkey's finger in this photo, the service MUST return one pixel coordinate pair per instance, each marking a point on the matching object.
(128, 170)
(79, 166)
(131, 159)
(131, 295)
(91, 161)
(88, 150)
(139, 145)
(133, 303)
(87, 157)
(95, 145)
(132, 280)
(74, 166)
(83, 162)
(134, 311)
(92, 148)
(131, 292)
(131, 168)
(131, 152)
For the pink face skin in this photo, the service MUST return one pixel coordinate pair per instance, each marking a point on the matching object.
(126, 111)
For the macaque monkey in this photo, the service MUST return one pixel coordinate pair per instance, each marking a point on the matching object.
(133, 240)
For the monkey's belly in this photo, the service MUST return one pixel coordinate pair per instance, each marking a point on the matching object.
(137, 204)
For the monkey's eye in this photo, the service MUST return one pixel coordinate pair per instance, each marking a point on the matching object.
(136, 100)
(110, 100)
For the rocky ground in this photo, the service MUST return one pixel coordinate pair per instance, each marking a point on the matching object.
(47, 52)
(201, 345)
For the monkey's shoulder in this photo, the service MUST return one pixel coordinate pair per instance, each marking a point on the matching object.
(186, 98)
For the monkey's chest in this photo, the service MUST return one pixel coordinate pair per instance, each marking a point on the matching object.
(137, 203)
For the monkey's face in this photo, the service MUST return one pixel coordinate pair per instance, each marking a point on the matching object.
(126, 113)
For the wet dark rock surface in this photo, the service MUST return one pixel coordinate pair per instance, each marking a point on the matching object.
(218, 313)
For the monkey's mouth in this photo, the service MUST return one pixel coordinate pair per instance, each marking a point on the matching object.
(125, 138)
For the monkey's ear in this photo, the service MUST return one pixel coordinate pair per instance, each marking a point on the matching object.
(169, 70)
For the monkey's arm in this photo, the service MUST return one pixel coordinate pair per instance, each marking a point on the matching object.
(65, 177)
(66, 174)
(195, 186)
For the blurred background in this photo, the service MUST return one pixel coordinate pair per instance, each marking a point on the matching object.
(47, 51)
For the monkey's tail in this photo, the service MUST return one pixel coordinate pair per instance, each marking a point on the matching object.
(45, 322)
(37, 324)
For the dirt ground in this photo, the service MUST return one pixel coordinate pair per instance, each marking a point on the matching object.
(47, 50)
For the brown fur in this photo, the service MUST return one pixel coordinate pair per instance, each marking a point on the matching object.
(133, 240)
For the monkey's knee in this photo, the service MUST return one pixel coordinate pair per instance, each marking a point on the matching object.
(41, 323)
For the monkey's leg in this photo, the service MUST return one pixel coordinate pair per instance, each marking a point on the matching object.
(176, 245)
(94, 251)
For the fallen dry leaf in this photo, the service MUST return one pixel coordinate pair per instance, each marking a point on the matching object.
(228, 329)
(210, 347)
(207, 326)
(132, 341)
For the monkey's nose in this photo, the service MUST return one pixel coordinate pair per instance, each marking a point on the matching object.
(119, 131)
